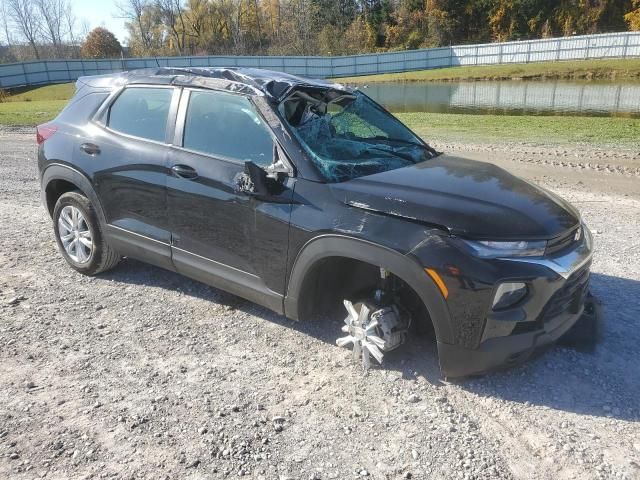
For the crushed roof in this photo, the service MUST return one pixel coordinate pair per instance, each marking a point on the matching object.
(251, 81)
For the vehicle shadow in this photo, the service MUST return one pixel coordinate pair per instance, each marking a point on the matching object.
(592, 370)
(569, 376)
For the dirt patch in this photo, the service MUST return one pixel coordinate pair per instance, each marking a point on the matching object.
(142, 373)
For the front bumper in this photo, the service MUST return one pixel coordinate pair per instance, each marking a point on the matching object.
(509, 351)
(558, 302)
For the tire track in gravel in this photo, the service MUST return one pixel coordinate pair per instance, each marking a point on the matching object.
(608, 161)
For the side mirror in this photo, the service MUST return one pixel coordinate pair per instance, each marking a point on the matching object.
(257, 182)
(263, 183)
(278, 169)
(254, 181)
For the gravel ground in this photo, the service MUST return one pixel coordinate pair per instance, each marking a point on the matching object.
(141, 373)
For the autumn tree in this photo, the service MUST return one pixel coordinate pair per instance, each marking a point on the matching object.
(336, 27)
(633, 17)
(139, 23)
(299, 28)
(101, 43)
(408, 28)
(359, 37)
(146, 33)
(444, 21)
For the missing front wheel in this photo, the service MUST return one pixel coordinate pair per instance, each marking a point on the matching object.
(373, 330)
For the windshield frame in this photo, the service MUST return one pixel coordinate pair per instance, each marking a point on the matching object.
(309, 154)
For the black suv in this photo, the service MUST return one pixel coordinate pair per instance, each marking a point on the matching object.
(304, 196)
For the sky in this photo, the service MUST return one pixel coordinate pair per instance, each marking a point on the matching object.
(100, 13)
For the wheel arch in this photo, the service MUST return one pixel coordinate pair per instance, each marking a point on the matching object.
(332, 245)
(56, 180)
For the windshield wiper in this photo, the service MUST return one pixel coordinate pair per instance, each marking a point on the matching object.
(425, 146)
(393, 153)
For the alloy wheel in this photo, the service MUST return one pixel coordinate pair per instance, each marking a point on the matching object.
(75, 234)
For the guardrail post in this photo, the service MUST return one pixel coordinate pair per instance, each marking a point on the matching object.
(626, 45)
(24, 74)
(586, 53)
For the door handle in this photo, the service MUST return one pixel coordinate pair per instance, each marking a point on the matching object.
(184, 171)
(90, 148)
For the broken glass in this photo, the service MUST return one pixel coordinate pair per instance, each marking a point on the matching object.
(349, 136)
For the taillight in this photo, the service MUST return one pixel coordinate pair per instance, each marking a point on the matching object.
(44, 132)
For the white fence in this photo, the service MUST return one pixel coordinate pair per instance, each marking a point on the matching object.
(609, 45)
(551, 96)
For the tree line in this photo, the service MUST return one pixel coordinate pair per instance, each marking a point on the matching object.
(336, 27)
(49, 28)
(38, 29)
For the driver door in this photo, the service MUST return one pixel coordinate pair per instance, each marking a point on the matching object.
(218, 235)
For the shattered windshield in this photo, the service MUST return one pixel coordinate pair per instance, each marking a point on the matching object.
(349, 136)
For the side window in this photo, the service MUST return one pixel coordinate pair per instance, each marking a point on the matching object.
(141, 112)
(227, 125)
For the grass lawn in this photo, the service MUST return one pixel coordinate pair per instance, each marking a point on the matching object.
(624, 132)
(29, 113)
(58, 91)
(619, 69)
(31, 106)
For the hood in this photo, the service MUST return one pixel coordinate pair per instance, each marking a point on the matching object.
(468, 198)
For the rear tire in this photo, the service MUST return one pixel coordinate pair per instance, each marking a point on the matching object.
(79, 235)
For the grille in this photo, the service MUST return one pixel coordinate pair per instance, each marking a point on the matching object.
(570, 297)
(558, 244)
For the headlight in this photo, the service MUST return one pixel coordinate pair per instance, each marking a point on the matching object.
(491, 249)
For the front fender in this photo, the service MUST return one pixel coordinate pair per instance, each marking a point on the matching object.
(404, 267)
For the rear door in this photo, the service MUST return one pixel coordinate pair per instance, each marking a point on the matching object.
(131, 182)
(219, 235)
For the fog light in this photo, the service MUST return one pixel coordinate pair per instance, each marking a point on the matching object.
(509, 294)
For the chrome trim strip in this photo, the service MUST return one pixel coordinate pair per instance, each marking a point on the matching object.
(110, 225)
(565, 265)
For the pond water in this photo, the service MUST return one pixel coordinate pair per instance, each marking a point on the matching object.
(510, 97)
